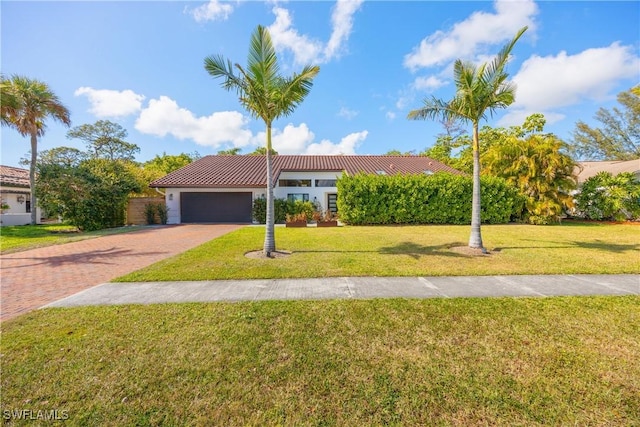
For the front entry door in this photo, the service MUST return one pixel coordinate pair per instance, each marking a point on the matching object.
(332, 203)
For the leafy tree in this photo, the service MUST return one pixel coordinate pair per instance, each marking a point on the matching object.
(605, 196)
(619, 136)
(168, 163)
(262, 151)
(537, 166)
(230, 152)
(265, 94)
(158, 167)
(105, 140)
(90, 193)
(63, 156)
(395, 152)
(479, 90)
(445, 146)
(29, 103)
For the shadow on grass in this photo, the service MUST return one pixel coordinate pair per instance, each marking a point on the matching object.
(405, 248)
(416, 251)
(596, 245)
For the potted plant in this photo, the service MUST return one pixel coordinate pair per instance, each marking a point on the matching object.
(296, 220)
(4, 207)
(327, 219)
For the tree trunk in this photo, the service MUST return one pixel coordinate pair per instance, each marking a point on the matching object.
(32, 178)
(475, 240)
(269, 236)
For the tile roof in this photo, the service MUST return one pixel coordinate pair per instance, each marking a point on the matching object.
(14, 177)
(250, 171)
(586, 170)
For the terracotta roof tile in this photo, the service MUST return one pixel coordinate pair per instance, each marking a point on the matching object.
(14, 177)
(250, 171)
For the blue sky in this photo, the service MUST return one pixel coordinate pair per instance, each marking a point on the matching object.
(140, 64)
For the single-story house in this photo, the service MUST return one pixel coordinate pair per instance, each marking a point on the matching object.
(15, 191)
(586, 170)
(223, 188)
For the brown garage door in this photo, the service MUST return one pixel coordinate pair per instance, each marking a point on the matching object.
(215, 207)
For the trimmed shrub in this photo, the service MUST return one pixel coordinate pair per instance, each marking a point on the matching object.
(608, 197)
(153, 211)
(281, 208)
(421, 199)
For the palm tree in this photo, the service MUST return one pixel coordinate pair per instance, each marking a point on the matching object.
(266, 95)
(479, 89)
(31, 103)
(8, 101)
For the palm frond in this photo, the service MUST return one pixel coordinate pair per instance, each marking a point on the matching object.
(496, 66)
(262, 62)
(292, 91)
(435, 108)
(33, 101)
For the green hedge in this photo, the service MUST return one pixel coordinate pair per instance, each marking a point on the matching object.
(281, 208)
(442, 198)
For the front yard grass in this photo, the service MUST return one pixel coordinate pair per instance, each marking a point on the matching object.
(506, 361)
(588, 248)
(23, 237)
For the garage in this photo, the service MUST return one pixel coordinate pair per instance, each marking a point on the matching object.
(216, 207)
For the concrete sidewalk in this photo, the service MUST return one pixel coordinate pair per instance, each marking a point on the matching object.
(354, 288)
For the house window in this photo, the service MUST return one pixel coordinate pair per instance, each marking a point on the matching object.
(294, 197)
(295, 183)
(326, 182)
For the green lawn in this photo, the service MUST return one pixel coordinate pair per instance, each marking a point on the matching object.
(408, 251)
(24, 237)
(507, 361)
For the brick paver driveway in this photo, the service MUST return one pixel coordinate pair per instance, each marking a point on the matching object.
(33, 278)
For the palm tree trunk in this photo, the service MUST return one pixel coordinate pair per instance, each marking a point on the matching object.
(475, 240)
(269, 236)
(32, 177)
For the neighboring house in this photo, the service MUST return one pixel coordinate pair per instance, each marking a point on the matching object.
(223, 188)
(586, 170)
(16, 194)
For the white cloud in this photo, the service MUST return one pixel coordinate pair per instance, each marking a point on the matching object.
(163, 116)
(466, 38)
(430, 83)
(306, 50)
(299, 140)
(342, 21)
(347, 113)
(214, 10)
(551, 82)
(291, 140)
(347, 145)
(390, 115)
(111, 103)
(284, 37)
(561, 80)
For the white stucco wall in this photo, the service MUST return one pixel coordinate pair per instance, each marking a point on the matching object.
(318, 194)
(17, 213)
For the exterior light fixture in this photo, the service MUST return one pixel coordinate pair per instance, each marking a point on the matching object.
(170, 196)
(20, 199)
